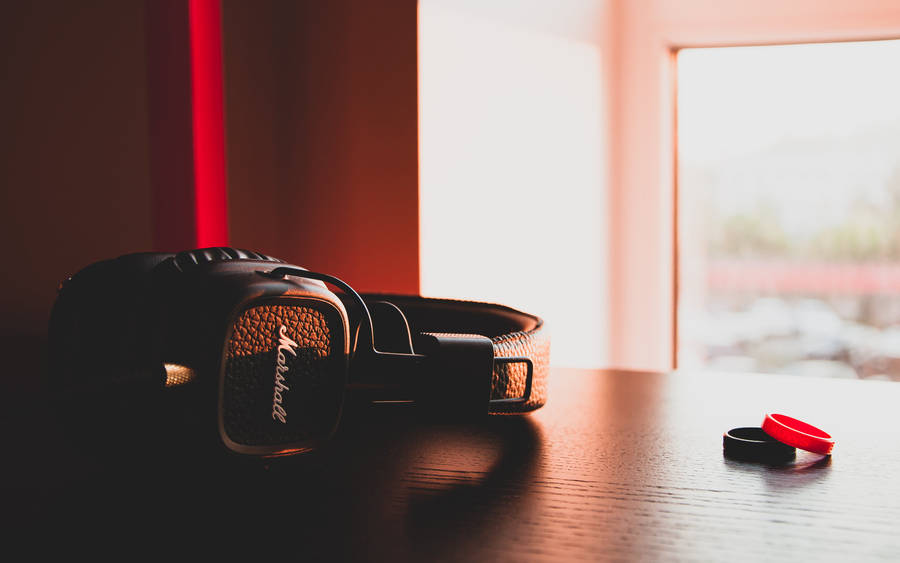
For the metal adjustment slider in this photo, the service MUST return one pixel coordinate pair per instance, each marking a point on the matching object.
(460, 367)
(529, 376)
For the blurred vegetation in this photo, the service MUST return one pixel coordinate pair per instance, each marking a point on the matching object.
(868, 233)
(756, 233)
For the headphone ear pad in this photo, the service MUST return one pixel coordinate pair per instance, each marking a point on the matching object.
(98, 330)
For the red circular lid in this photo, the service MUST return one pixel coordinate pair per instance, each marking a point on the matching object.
(797, 433)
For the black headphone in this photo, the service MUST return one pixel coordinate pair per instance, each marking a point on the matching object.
(268, 353)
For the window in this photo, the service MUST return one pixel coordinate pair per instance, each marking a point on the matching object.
(789, 209)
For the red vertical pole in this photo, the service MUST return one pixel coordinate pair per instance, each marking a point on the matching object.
(210, 195)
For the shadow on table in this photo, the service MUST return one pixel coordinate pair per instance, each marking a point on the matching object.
(450, 511)
(351, 499)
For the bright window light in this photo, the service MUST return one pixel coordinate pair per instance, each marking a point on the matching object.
(512, 188)
(789, 209)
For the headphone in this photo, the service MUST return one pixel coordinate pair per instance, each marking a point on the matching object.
(266, 353)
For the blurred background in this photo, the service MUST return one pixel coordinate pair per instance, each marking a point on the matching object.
(667, 184)
(789, 185)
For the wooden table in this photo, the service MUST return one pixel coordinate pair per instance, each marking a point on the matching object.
(618, 465)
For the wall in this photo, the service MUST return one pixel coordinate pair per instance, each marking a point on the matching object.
(254, 37)
(95, 153)
(321, 131)
(74, 162)
(514, 162)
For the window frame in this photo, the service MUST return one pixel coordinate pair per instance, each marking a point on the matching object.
(643, 206)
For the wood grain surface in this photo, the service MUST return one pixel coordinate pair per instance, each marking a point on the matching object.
(617, 466)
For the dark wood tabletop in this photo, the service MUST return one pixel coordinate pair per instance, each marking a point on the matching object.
(618, 465)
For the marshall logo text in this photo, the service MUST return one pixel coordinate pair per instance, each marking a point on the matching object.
(285, 344)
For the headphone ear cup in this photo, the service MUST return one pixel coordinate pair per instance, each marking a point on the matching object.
(99, 329)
